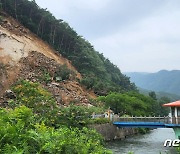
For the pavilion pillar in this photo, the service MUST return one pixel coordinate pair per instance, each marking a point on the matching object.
(175, 113)
(171, 116)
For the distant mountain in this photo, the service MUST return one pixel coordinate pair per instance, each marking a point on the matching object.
(172, 97)
(165, 81)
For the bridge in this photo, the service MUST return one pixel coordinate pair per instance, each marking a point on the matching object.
(153, 122)
(147, 122)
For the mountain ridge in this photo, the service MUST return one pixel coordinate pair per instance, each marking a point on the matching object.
(163, 80)
(160, 94)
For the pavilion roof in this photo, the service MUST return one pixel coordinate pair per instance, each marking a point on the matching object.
(173, 104)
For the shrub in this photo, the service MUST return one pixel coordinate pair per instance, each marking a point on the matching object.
(143, 130)
(99, 121)
(1, 18)
(88, 82)
(43, 105)
(63, 73)
(37, 98)
(45, 77)
(74, 116)
(20, 134)
(79, 116)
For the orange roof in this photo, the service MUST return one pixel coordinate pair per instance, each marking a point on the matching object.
(177, 103)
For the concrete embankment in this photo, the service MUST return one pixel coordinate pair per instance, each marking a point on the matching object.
(111, 132)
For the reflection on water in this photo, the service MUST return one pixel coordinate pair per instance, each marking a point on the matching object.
(151, 143)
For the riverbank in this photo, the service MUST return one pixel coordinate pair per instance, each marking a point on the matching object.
(111, 132)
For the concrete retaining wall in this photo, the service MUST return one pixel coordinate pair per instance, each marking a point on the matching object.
(111, 132)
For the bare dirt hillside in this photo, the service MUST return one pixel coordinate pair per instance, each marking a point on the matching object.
(24, 56)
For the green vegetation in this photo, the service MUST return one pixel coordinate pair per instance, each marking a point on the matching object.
(74, 116)
(34, 96)
(143, 130)
(99, 121)
(1, 19)
(97, 71)
(133, 104)
(63, 73)
(33, 123)
(80, 116)
(20, 134)
(46, 77)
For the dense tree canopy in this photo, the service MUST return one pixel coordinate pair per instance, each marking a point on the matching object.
(134, 104)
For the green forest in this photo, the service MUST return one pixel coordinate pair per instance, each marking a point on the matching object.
(32, 122)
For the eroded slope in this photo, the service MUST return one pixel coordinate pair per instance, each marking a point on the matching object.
(24, 56)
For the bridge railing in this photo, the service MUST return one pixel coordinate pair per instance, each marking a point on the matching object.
(115, 118)
(166, 120)
(175, 120)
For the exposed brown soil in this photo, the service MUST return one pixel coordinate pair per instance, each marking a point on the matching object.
(25, 56)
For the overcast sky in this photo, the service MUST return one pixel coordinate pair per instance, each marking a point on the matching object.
(136, 35)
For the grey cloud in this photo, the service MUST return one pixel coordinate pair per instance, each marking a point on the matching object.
(95, 23)
(136, 35)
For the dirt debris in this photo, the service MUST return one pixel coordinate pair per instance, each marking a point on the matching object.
(36, 64)
(25, 56)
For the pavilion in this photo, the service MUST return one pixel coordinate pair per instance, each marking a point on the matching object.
(175, 111)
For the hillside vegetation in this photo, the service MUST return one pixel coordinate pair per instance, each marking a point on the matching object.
(97, 71)
(135, 104)
(163, 81)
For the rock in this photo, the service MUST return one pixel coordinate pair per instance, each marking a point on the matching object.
(58, 79)
(10, 94)
(59, 99)
(55, 84)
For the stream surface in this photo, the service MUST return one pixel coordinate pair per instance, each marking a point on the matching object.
(150, 143)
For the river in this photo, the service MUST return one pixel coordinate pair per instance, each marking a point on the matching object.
(150, 143)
